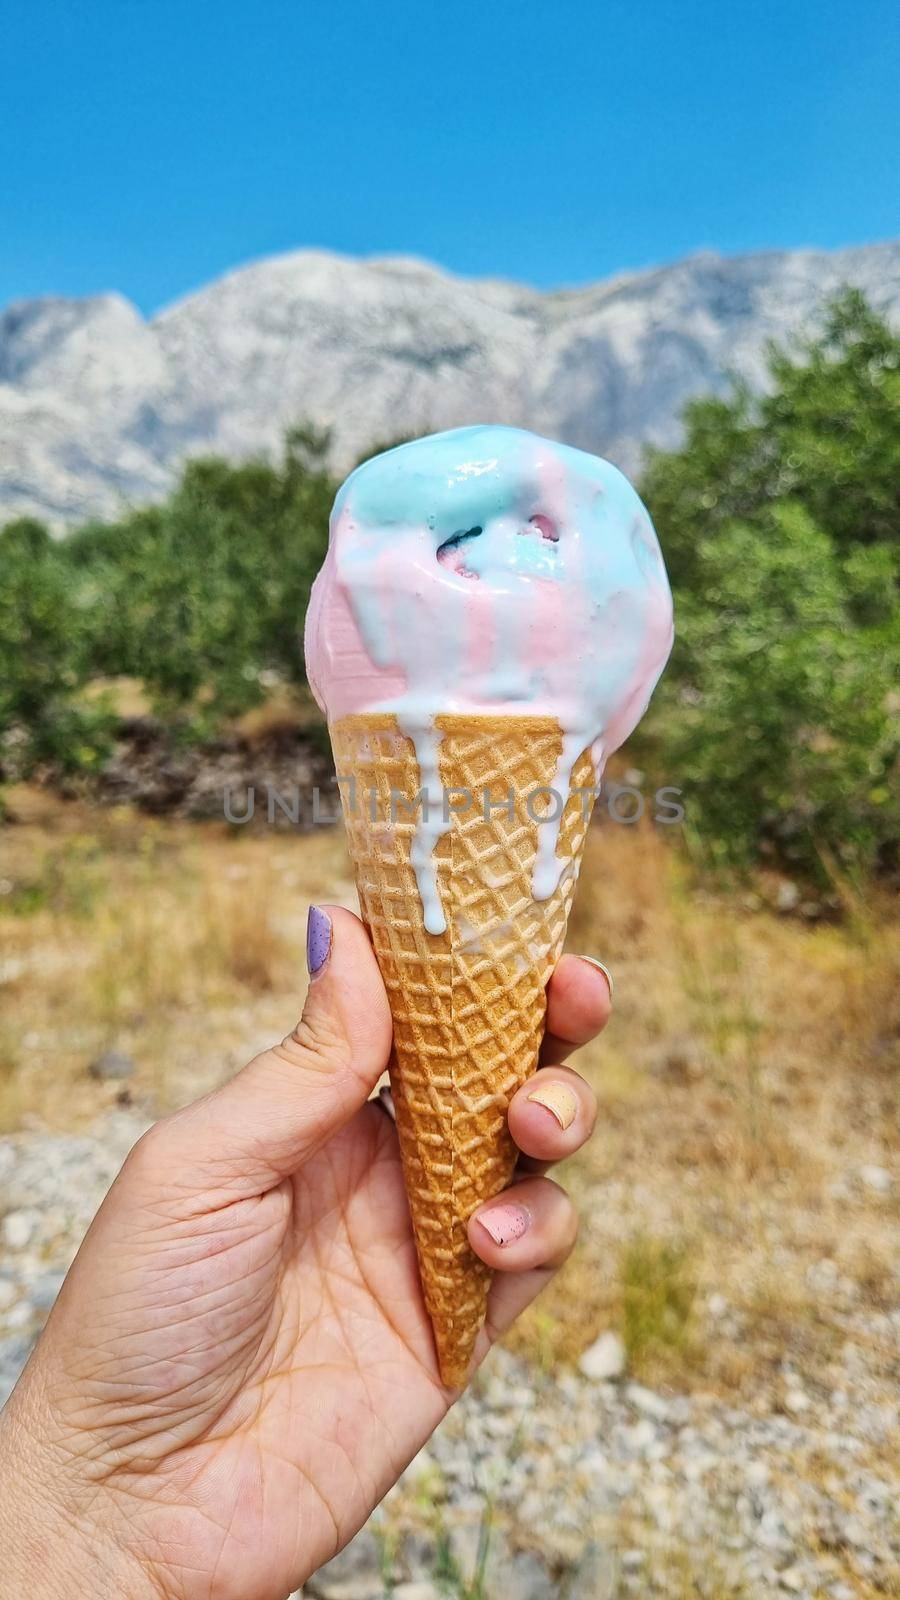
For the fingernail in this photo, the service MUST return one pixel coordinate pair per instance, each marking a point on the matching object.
(559, 1100)
(593, 962)
(505, 1224)
(318, 940)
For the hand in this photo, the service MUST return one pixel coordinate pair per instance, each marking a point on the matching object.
(240, 1364)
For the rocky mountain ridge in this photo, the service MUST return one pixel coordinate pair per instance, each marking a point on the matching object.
(99, 407)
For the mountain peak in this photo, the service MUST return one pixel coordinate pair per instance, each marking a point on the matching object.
(98, 408)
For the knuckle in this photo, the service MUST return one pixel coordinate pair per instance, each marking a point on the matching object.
(318, 1042)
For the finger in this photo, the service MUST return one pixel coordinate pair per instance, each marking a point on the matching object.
(532, 1225)
(282, 1107)
(579, 1002)
(552, 1115)
(513, 1290)
(510, 1294)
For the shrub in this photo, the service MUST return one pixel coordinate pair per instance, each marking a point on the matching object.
(44, 659)
(779, 518)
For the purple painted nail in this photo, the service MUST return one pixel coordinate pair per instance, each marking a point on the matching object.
(505, 1223)
(318, 940)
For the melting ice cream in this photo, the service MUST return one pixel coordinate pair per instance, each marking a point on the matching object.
(487, 570)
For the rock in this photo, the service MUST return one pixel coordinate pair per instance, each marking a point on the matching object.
(877, 1178)
(605, 1358)
(644, 1400)
(418, 1589)
(596, 1463)
(642, 1437)
(112, 1064)
(797, 1402)
(18, 1229)
(19, 1316)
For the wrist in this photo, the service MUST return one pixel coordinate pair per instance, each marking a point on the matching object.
(50, 1547)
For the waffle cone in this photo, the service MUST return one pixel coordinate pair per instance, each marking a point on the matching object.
(469, 1004)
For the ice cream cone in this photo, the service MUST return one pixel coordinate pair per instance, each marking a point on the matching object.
(468, 1003)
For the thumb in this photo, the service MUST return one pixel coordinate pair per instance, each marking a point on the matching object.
(282, 1107)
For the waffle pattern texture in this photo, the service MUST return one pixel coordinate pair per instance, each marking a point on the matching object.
(469, 1004)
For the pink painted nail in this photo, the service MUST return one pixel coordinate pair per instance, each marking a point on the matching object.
(505, 1224)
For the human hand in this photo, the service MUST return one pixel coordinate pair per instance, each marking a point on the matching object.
(240, 1362)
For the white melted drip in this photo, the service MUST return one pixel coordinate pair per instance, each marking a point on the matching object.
(548, 866)
(430, 825)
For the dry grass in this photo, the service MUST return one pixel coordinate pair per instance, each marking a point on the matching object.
(176, 944)
(747, 1076)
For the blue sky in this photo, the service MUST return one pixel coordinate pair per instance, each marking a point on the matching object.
(149, 145)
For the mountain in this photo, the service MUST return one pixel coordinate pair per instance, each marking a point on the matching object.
(98, 407)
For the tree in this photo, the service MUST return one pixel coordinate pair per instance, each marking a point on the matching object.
(779, 517)
(43, 657)
(204, 596)
(826, 435)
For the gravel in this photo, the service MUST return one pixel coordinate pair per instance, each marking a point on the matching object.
(571, 1485)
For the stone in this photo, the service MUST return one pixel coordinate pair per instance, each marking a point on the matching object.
(642, 1436)
(418, 1589)
(876, 1178)
(18, 1229)
(646, 1401)
(605, 1358)
(788, 897)
(596, 1463)
(111, 1065)
(797, 1402)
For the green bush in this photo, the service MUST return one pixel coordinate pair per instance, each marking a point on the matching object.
(44, 659)
(779, 518)
(203, 597)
